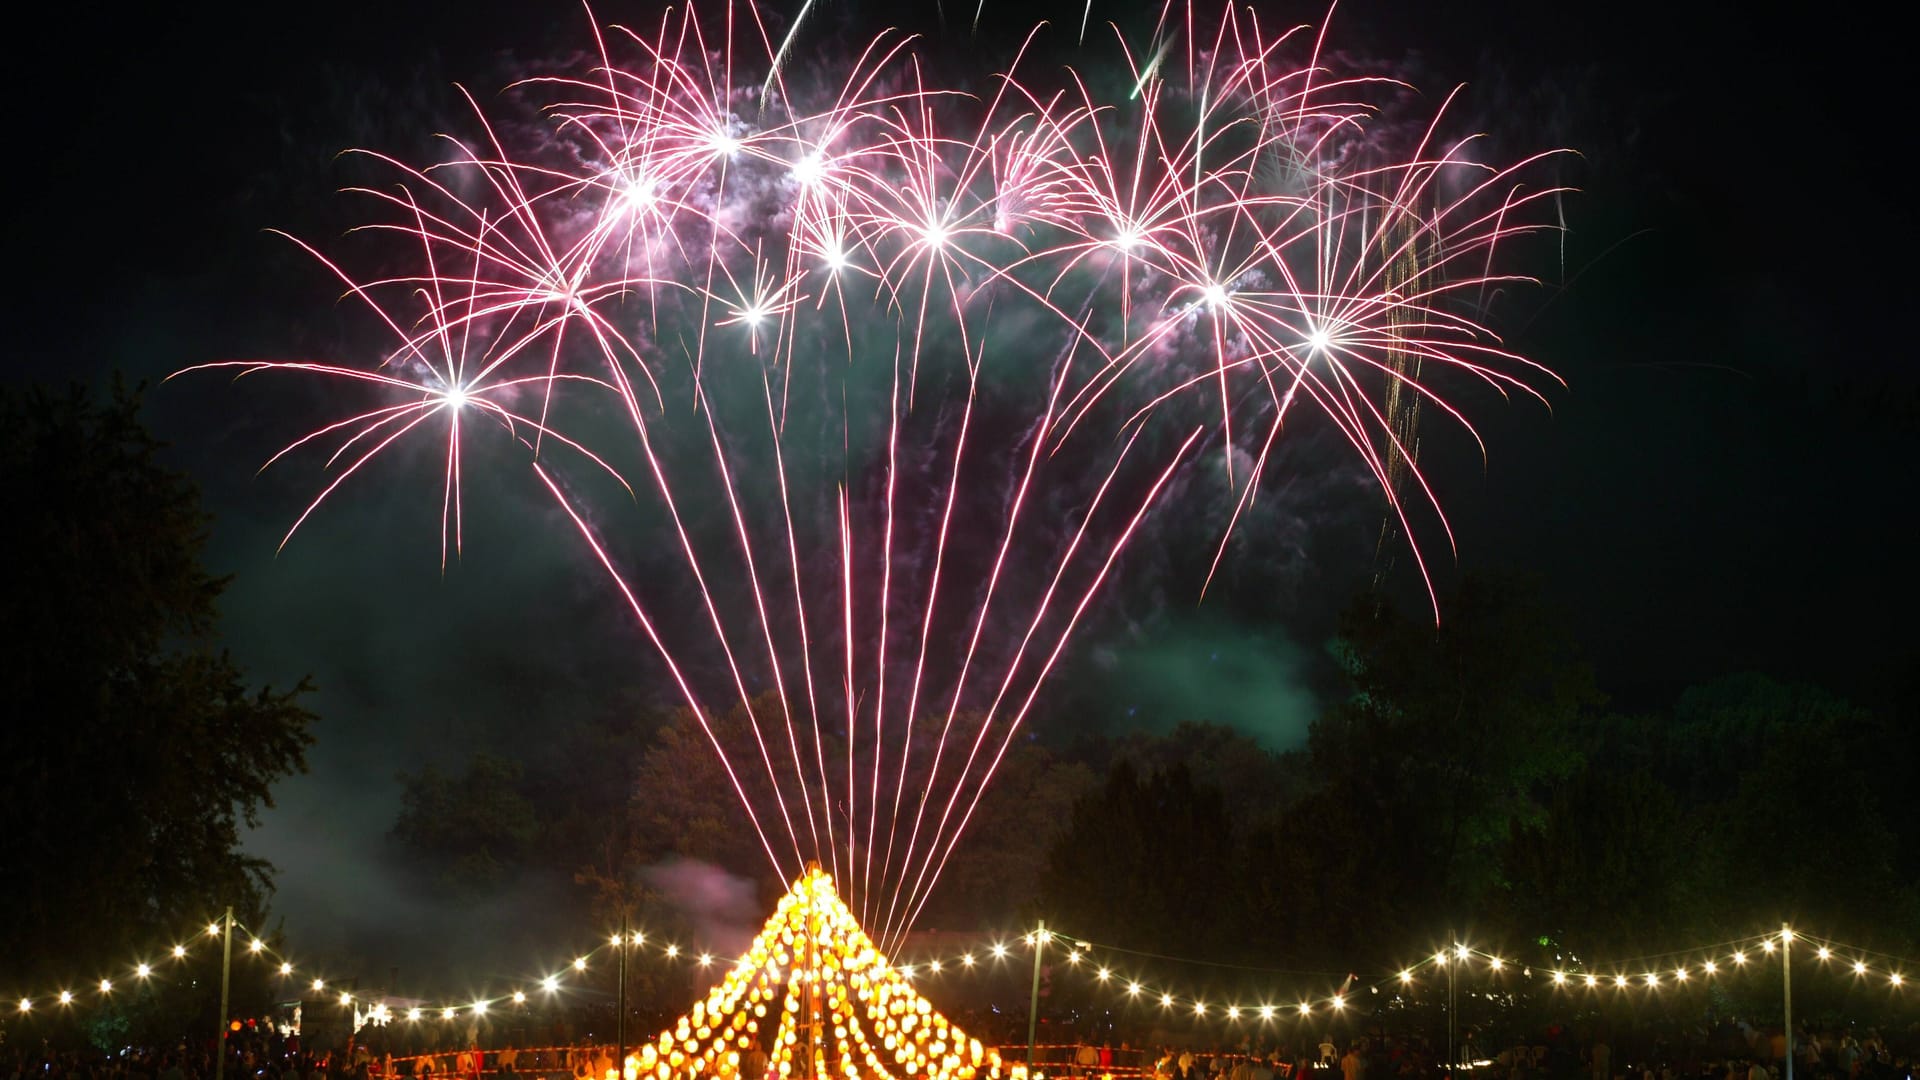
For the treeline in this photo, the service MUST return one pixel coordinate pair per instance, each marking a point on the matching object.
(1471, 780)
(1474, 785)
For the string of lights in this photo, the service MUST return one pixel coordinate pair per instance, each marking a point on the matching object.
(1648, 971)
(1704, 963)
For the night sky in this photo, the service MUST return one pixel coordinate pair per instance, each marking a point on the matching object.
(1723, 486)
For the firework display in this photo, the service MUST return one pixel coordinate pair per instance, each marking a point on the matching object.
(888, 373)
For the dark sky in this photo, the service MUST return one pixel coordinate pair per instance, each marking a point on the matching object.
(1724, 485)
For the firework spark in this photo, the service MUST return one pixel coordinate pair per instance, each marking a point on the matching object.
(851, 325)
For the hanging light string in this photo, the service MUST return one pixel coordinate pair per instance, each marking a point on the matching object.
(1645, 971)
(1706, 962)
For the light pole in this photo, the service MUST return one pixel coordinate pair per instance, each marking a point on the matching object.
(226, 970)
(1033, 1001)
(620, 998)
(1453, 963)
(1786, 988)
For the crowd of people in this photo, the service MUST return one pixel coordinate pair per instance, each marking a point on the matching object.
(271, 1057)
(1731, 1051)
(248, 1057)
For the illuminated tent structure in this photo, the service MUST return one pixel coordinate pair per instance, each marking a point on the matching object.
(840, 1010)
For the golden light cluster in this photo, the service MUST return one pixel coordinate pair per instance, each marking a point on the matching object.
(836, 1008)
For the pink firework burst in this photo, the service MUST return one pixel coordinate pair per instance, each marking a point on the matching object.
(902, 369)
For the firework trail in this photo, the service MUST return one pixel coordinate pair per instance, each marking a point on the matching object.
(898, 370)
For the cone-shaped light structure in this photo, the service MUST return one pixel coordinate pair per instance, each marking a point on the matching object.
(816, 996)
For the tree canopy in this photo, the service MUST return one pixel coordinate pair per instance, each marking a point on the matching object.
(645, 790)
(135, 750)
(472, 828)
(1472, 785)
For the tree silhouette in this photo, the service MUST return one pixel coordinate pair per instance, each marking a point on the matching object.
(134, 750)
